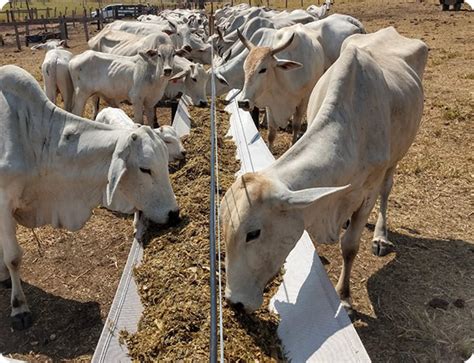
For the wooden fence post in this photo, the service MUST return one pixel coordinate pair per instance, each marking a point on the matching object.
(99, 19)
(74, 18)
(17, 35)
(2, 42)
(8, 16)
(286, 4)
(44, 24)
(55, 12)
(47, 13)
(27, 32)
(84, 20)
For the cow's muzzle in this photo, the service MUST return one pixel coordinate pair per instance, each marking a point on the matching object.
(188, 48)
(173, 218)
(244, 105)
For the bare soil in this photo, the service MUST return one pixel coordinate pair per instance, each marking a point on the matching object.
(71, 278)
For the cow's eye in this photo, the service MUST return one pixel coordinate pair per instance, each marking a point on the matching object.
(159, 55)
(145, 170)
(263, 70)
(252, 235)
(194, 79)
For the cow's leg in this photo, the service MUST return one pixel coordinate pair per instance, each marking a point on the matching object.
(80, 100)
(67, 92)
(138, 112)
(297, 117)
(95, 106)
(5, 280)
(381, 246)
(150, 115)
(349, 248)
(12, 254)
(272, 130)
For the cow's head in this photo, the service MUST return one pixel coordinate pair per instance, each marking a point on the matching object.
(162, 59)
(175, 147)
(195, 79)
(261, 68)
(138, 176)
(51, 44)
(262, 221)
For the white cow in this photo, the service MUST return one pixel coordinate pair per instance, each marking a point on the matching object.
(117, 117)
(190, 79)
(127, 44)
(56, 167)
(50, 44)
(55, 70)
(365, 112)
(304, 53)
(140, 80)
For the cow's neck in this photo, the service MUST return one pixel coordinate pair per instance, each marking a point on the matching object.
(321, 158)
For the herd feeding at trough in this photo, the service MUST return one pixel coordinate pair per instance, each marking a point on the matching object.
(360, 93)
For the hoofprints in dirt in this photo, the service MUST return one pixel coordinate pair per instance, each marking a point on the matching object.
(173, 279)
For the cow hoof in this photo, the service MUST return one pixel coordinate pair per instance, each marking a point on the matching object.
(382, 247)
(6, 284)
(22, 321)
(349, 310)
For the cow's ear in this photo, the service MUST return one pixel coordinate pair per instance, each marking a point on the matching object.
(118, 166)
(179, 75)
(305, 197)
(221, 79)
(288, 65)
(149, 54)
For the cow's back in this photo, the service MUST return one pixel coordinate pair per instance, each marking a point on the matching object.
(402, 61)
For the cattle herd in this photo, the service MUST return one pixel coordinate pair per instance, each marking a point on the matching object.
(361, 95)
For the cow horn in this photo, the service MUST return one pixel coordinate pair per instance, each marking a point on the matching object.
(283, 46)
(246, 42)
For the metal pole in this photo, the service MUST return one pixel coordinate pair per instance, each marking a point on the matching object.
(212, 230)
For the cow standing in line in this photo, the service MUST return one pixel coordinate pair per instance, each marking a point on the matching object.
(363, 115)
(140, 80)
(55, 167)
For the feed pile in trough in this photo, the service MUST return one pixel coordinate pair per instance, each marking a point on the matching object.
(173, 280)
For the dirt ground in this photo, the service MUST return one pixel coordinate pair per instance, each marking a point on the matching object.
(430, 219)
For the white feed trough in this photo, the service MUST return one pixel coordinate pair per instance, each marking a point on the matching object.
(126, 308)
(314, 326)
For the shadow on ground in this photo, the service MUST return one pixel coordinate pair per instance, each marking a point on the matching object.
(405, 324)
(62, 328)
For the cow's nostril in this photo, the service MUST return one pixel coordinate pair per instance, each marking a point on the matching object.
(244, 104)
(173, 217)
(168, 71)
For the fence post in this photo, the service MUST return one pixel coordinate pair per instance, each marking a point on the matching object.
(286, 4)
(8, 16)
(27, 31)
(47, 13)
(99, 18)
(2, 42)
(55, 12)
(44, 23)
(302, 1)
(84, 20)
(17, 36)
